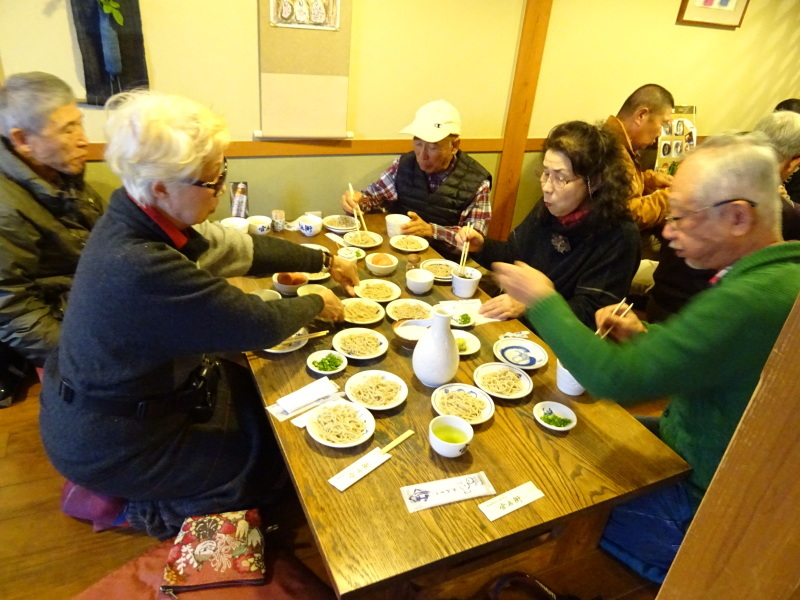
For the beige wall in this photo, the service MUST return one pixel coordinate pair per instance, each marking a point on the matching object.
(406, 52)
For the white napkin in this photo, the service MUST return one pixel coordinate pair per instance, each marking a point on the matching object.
(307, 394)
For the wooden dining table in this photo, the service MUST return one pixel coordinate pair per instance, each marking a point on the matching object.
(373, 547)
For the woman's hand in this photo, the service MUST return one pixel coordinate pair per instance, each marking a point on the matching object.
(417, 226)
(474, 238)
(522, 282)
(621, 328)
(350, 201)
(502, 307)
(333, 309)
(345, 273)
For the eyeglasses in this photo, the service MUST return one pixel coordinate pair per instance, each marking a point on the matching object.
(675, 221)
(556, 181)
(218, 184)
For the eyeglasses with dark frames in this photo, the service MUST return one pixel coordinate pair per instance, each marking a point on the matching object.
(675, 221)
(218, 184)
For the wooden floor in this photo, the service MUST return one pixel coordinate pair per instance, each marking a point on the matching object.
(46, 555)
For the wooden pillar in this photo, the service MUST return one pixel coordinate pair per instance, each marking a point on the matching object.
(518, 116)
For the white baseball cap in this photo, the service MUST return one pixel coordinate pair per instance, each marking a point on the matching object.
(434, 121)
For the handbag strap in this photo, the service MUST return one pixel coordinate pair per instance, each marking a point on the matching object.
(526, 583)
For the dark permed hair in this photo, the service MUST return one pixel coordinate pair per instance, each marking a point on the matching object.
(596, 158)
(792, 104)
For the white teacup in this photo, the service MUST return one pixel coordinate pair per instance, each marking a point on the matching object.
(465, 286)
(566, 382)
(238, 223)
(309, 225)
(419, 281)
(259, 225)
(394, 224)
(449, 435)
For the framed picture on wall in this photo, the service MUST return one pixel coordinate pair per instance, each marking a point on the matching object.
(725, 14)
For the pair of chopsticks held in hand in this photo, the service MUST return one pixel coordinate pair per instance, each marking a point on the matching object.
(613, 313)
(462, 264)
(358, 211)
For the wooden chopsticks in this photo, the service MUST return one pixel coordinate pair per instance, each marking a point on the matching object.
(358, 212)
(307, 336)
(614, 312)
(400, 439)
(462, 264)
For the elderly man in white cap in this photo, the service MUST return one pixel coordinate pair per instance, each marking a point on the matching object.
(440, 187)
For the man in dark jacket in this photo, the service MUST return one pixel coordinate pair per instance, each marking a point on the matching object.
(46, 209)
(437, 185)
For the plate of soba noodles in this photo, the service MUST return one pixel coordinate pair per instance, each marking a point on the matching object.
(408, 243)
(465, 401)
(377, 390)
(378, 290)
(363, 239)
(441, 268)
(340, 223)
(408, 308)
(502, 380)
(362, 312)
(340, 424)
(360, 343)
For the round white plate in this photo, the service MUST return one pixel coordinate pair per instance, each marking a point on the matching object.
(557, 409)
(331, 223)
(487, 411)
(382, 341)
(377, 239)
(319, 355)
(487, 368)
(350, 253)
(392, 307)
(455, 320)
(473, 343)
(361, 376)
(420, 241)
(288, 345)
(317, 276)
(361, 413)
(360, 289)
(520, 352)
(431, 262)
(371, 303)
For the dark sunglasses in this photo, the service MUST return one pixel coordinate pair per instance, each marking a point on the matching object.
(218, 184)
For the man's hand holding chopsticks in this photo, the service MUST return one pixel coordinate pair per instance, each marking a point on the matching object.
(618, 322)
(468, 234)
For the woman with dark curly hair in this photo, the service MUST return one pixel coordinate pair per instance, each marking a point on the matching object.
(580, 235)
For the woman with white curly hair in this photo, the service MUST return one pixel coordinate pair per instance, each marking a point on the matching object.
(134, 403)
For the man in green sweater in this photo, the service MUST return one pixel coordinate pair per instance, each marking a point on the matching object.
(725, 216)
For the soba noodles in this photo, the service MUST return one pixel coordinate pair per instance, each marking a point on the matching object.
(376, 391)
(461, 404)
(339, 424)
(408, 243)
(376, 291)
(503, 382)
(360, 238)
(360, 312)
(340, 222)
(360, 344)
(409, 310)
(439, 270)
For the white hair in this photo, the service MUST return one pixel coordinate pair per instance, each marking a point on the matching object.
(159, 137)
(740, 166)
(783, 130)
(28, 99)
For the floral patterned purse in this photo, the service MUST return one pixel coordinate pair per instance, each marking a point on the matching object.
(215, 551)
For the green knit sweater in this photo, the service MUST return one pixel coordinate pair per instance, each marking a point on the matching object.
(707, 359)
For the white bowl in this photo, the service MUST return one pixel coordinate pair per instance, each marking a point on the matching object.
(259, 225)
(350, 253)
(266, 295)
(381, 269)
(319, 355)
(557, 409)
(237, 223)
(309, 225)
(285, 288)
(419, 281)
(310, 288)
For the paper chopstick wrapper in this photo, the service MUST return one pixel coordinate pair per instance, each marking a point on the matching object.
(444, 491)
(510, 501)
(356, 471)
(302, 399)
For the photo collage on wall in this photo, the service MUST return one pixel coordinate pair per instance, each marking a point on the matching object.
(677, 137)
